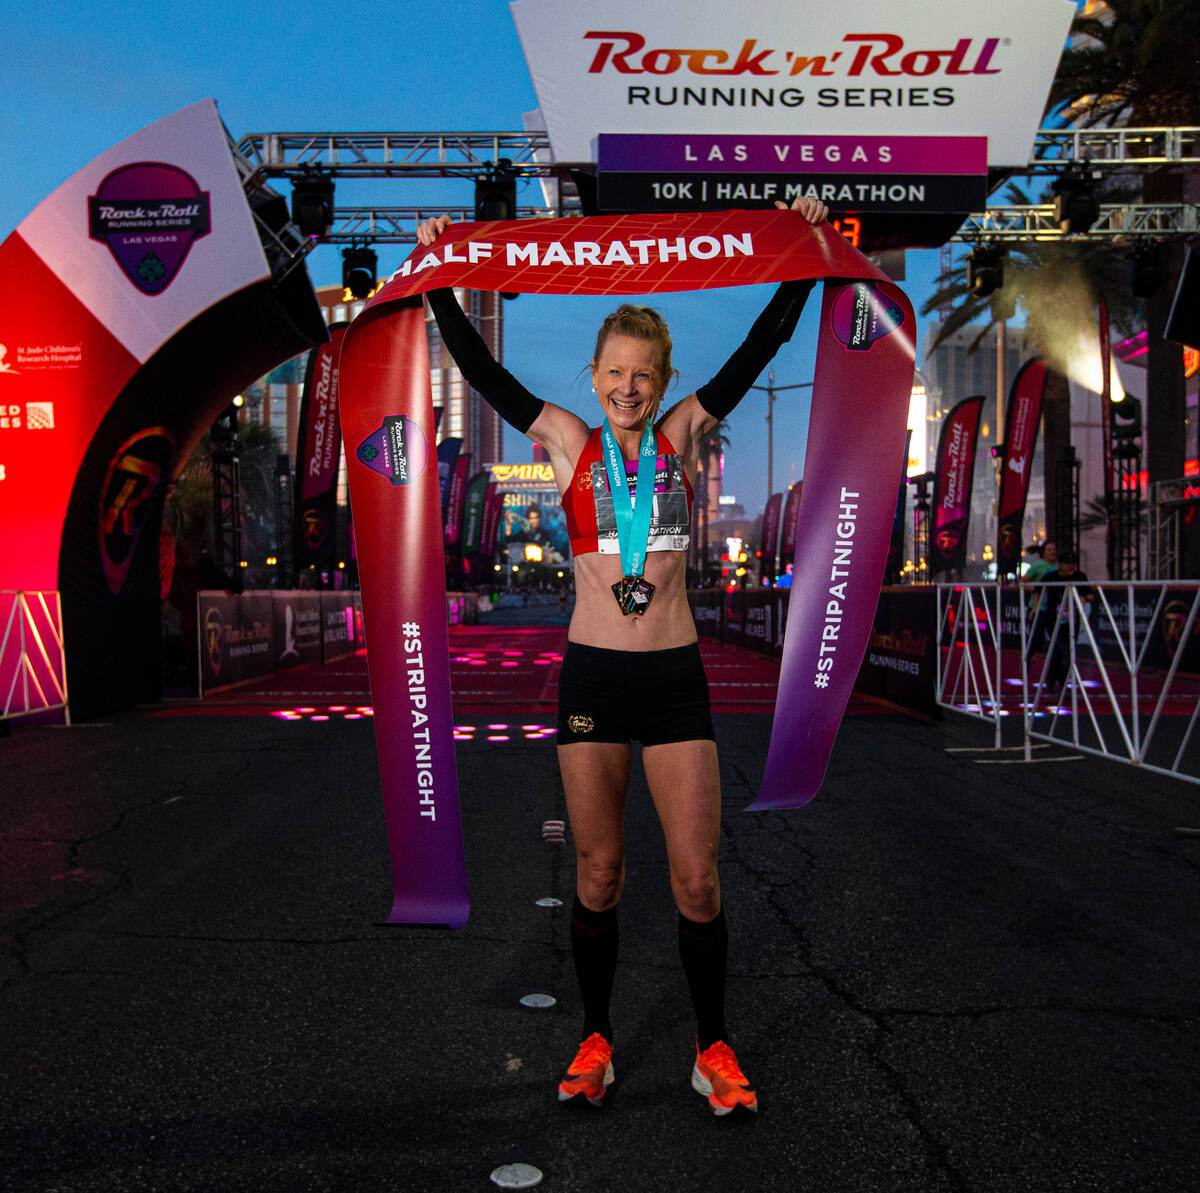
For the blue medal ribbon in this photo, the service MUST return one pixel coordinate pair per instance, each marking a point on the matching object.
(632, 511)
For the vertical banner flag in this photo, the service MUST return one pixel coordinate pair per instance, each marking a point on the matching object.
(770, 536)
(1020, 437)
(388, 425)
(447, 454)
(452, 527)
(787, 538)
(863, 378)
(493, 506)
(318, 447)
(473, 503)
(953, 476)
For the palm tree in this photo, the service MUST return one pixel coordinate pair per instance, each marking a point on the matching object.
(1133, 63)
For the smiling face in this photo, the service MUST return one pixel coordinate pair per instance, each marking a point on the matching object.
(626, 377)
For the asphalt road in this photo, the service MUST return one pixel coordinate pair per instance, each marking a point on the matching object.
(947, 974)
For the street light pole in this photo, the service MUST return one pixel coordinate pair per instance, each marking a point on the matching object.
(771, 389)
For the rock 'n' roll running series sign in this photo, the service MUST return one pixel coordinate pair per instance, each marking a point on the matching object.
(865, 355)
(876, 70)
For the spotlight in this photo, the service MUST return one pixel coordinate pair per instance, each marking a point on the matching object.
(496, 192)
(985, 270)
(1146, 270)
(1075, 205)
(312, 203)
(358, 270)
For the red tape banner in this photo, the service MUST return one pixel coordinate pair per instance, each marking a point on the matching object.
(853, 462)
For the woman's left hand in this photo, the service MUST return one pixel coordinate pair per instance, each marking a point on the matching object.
(813, 210)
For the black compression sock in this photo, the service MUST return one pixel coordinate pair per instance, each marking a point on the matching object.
(704, 951)
(594, 940)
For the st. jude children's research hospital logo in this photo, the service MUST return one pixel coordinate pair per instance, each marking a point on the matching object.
(149, 214)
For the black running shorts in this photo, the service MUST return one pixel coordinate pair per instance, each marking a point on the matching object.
(651, 696)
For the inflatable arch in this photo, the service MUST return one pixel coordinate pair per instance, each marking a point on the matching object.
(137, 301)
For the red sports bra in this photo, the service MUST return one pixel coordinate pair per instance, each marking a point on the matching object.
(588, 504)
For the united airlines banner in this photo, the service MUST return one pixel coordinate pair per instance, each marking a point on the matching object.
(953, 476)
(1020, 438)
(863, 378)
(318, 447)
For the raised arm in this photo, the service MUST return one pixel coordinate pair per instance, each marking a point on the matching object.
(701, 411)
(499, 388)
(560, 432)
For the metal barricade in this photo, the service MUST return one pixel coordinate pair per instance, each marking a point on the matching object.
(970, 656)
(1131, 689)
(33, 666)
(1115, 671)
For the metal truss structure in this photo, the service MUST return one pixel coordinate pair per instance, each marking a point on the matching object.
(266, 157)
(1036, 222)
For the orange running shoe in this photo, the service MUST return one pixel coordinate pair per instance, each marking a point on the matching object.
(591, 1071)
(716, 1075)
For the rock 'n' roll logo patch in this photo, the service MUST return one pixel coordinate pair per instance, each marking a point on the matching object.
(580, 724)
(862, 316)
(398, 450)
(149, 214)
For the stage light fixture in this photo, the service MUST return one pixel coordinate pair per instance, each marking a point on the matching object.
(1076, 208)
(985, 270)
(359, 264)
(312, 203)
(496, 192)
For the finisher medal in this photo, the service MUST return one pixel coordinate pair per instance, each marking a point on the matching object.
(633, 594)
(632, 512)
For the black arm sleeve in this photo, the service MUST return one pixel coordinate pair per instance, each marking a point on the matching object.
(499, 388)
(771, 330)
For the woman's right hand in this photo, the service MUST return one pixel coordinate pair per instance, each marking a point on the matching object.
(429, 230)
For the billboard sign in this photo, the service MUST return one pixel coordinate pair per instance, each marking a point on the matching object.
(956, 69)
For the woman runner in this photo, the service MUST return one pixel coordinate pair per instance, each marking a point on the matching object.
(632, 668)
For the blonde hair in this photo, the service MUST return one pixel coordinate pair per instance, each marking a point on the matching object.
(641, 323)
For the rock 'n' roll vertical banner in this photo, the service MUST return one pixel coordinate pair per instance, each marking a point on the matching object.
(318, 449)
(953, 477)
(1020, 437)
(865, 355)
